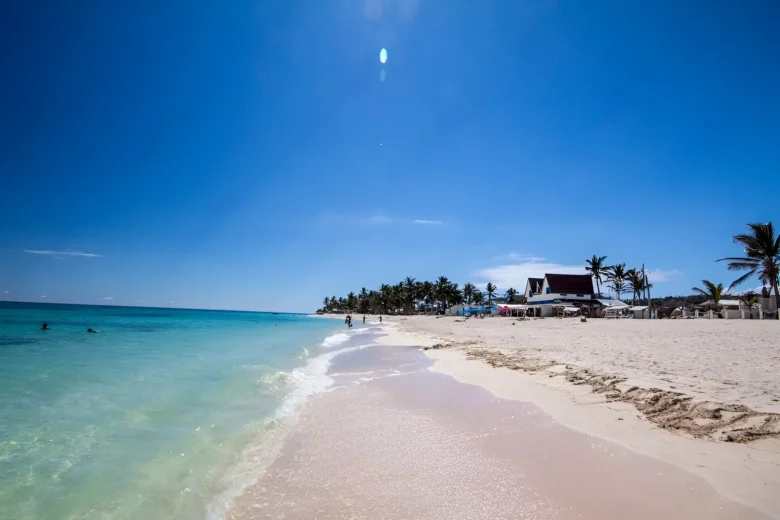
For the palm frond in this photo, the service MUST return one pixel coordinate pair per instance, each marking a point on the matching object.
(736, 259)
(743, 266)
(742, 279)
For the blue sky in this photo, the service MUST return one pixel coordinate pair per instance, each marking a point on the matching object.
(247, 155)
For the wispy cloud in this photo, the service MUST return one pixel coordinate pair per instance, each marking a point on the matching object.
(379, 219)
(756, 290)
(519, 257)
(105, 298)
(429, 222)
(516, 275)
(56, 253)
(44, 296)
(663, 275)
(6, 292)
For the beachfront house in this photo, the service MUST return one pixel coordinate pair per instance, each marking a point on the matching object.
(556, 290)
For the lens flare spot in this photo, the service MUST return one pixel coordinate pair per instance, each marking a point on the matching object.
(383, 56)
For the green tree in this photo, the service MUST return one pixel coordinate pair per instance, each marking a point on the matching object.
(385, 297)
(363, 301)
(441, 291)
(468, 292)
(711, 291)
(478, 297)
(409, 293)
(597, 269)
(490, 289)
(750, 300)
(352, 302)
(510, 295)
(616, 275)
(636, 282)
(762, 257)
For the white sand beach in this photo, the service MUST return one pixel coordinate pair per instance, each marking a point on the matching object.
(504, 421)
(702, 395)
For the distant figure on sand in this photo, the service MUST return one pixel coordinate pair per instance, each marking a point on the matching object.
(90, 330)
(380, 319)
(364, 319)
(45, 326)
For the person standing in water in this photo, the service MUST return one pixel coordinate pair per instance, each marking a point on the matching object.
(364, 319)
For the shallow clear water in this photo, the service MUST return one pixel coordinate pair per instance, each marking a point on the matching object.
(152, 417)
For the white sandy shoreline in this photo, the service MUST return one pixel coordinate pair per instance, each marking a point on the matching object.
(746, 473)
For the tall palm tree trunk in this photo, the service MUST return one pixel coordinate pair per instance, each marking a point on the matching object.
(777, 298)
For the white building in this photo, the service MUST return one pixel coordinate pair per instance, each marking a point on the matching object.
(571, 290)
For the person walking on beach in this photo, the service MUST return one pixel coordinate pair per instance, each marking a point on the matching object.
(380, 319)
(364, 319)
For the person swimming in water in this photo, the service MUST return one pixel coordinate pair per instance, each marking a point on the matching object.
(90, 330)
(45, 326)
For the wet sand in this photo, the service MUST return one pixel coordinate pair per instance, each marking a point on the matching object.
(394, 440)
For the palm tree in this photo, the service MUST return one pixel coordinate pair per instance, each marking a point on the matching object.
(410, 293)
(597, 270)
(468, 292)
(636, 283)
(750, 300)
(363, 300)
(479, 298)
(762, 257)
(510, 295)
(326, 304)
(374, 302)
(454, 296)
(384, 297)
(440, 291)
(711, 291)
(490, 289)
(617, 275)
(351, 302)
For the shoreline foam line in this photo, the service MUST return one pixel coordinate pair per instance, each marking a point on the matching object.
(310, 379)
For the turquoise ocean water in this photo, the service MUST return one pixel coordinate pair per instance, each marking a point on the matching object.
(164, 413)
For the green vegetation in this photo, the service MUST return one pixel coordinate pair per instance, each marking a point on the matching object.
(762, 259)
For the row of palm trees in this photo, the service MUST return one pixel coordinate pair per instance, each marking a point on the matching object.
(619, 279)
(407, 296)
(761, 258)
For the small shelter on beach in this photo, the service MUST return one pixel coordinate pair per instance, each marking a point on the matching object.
(512, 310)
(640, 312)
(566, 311)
